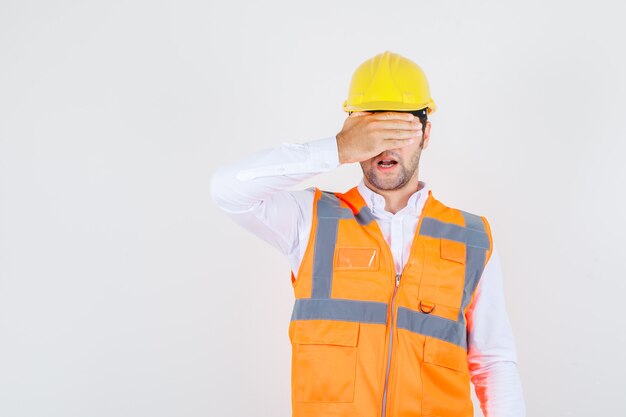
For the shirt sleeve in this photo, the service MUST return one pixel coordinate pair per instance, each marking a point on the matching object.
(253, 191)
(492, 355)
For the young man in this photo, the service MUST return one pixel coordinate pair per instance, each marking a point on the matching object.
(399, 298)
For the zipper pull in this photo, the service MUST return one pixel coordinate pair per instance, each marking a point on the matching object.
(398, 279)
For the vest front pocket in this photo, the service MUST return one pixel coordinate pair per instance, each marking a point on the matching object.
(446, 354)
(445, 378)
(324, 362)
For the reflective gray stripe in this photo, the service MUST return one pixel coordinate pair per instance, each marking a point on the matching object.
(471, 237)
(365, 216)
(474, 222)
(329, 211)
(324, 251)
(331, 207)
(340, 309)
(474, 264)
(431, 325)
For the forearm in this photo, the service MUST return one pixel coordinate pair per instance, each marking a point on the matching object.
(254, 191)
(499, 389)
(239, 186)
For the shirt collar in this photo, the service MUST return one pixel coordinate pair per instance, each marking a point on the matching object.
(376, 202)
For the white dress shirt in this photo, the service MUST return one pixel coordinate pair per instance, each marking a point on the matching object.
(254, 193)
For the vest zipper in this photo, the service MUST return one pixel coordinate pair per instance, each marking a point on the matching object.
(393, 299)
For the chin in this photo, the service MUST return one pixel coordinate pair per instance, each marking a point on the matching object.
(387, 184)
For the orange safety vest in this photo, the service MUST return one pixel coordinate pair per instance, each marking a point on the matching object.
(368, 342)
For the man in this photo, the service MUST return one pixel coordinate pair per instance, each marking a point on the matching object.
(399, 298)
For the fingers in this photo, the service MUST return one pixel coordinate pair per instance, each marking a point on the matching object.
(359, 113)
(395, 124)
(392, 120)
(397, 120)
(399, 134)
(397, 143)
(387, 115)
(398, 138)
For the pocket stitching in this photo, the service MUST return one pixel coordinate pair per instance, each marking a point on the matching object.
(431, 347)
(452, 250)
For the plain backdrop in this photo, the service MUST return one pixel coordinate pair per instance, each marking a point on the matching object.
(124, 291)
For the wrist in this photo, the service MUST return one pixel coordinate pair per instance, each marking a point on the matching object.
(339, 148)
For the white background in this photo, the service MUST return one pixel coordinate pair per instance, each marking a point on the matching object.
(124, 291)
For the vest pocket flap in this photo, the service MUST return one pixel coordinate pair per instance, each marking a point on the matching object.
(440, 352)
(326, 332)
(453, 250)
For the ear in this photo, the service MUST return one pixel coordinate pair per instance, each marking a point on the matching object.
(426, 135)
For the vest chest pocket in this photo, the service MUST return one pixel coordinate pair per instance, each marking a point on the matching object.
(356, 258)
(444, 276)
(324, 361)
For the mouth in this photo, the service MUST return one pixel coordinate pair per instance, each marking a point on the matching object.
(387, 164)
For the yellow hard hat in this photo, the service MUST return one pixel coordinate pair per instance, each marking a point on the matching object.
(389, 81)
